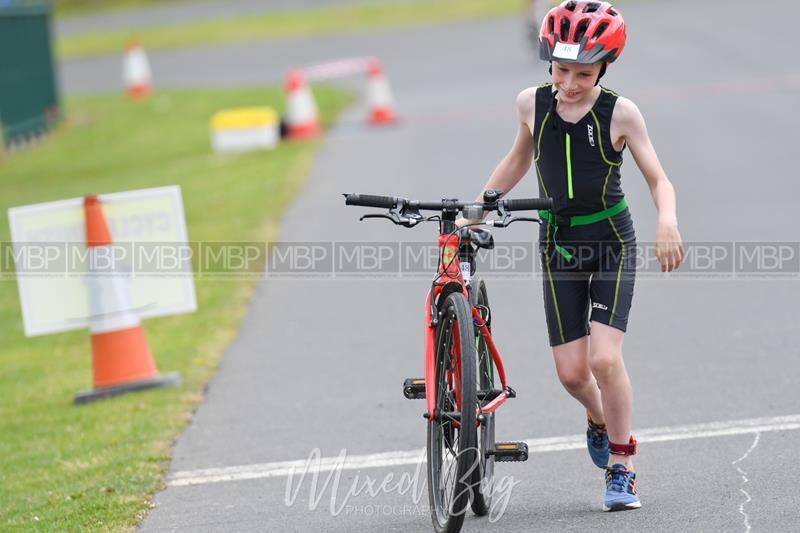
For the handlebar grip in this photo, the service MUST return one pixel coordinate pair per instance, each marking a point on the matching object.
(369, 200)
(528, 204)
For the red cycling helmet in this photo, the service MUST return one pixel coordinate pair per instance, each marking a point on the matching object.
(582, 32)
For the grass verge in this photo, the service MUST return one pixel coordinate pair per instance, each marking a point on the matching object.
(68, 8)
(95, 467)
(275, 25)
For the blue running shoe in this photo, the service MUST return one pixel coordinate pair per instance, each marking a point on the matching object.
(597, 443)
(620, 489)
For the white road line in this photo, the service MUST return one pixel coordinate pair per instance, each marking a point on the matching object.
(744, 480)
(315, 463)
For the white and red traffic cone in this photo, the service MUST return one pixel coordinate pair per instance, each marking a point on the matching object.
(302, 116)
(136, 71)
(379, 95)
(121, 358)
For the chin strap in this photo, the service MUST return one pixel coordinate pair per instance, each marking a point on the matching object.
(623, 449)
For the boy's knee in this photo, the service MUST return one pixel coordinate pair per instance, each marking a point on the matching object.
(574, 380)
(605, 364)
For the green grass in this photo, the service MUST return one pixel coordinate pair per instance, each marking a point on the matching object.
(66, 8)
(284, 24)
(95, 467)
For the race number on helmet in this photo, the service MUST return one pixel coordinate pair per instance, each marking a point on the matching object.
(582, 32)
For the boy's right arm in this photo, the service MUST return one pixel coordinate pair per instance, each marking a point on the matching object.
(518, 160)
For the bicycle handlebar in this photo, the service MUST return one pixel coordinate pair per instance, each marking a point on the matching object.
(369, 200)
(528, 204)
(389, 202)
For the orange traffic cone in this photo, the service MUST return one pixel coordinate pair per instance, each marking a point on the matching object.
(138, 79)
(302, 116)
(121, 358)
(379, 95)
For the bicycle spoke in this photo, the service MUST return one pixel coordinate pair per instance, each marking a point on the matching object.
(449, 471)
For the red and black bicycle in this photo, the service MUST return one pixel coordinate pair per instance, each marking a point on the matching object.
(465, 381)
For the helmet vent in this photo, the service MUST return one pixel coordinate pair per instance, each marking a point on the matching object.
(600, 29)
(571, 5)
(551, 25)
(564, 29)
(580, 30)
(611, 12)
(591, 7)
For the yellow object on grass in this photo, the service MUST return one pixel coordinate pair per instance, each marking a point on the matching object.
(245, 128)
(244, 117)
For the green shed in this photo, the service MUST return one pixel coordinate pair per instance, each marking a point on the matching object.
(29, 101)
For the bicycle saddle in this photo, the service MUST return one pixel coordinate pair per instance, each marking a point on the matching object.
(482, 238)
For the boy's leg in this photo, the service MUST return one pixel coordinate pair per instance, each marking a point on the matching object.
(611, 293)
(605, 360)
(572, 366)
(566, 299)
(607, 366)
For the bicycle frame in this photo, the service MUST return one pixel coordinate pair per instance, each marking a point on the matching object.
(474, 453)
(449, 250)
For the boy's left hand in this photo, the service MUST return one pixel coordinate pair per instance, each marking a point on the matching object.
(669, 246)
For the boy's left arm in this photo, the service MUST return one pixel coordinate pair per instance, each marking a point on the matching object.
(669, 246)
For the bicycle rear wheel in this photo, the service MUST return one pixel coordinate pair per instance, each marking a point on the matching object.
(452, 432)
(483, 479)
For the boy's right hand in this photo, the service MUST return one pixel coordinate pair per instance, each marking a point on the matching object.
(461, 222)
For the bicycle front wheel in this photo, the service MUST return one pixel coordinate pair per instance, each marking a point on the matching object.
(452, 457)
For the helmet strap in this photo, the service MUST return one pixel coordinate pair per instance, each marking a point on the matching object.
(602, 72)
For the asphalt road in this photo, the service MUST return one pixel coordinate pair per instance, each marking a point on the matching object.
(318, 363)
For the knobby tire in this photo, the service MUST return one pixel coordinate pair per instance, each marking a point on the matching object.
(451, 449)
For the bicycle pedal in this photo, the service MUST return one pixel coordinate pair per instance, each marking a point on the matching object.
(487, 396)
(414, 388)
(510, 451)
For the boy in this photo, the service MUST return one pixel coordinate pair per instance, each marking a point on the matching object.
(574, 131)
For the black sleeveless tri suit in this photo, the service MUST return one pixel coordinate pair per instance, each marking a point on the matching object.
(588, 268)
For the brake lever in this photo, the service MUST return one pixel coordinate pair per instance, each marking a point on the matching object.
(523, 219)
(394, 217)
(507, 220)
(377, 215)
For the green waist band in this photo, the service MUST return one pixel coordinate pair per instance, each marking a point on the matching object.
(580, 220)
